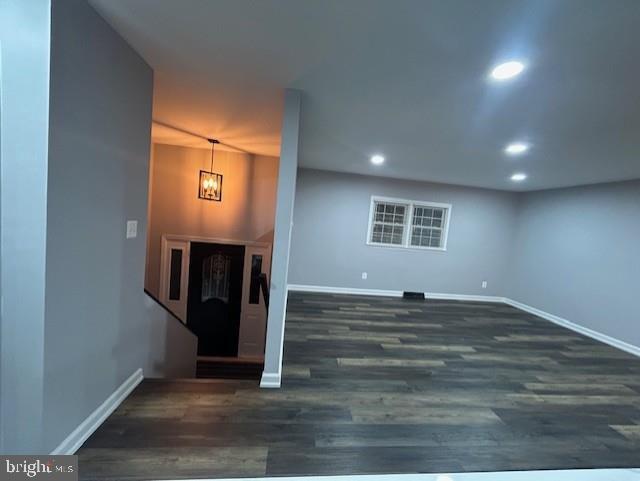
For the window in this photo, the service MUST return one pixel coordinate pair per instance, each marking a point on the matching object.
(175, 274)
(408, 223)
(254, 286)
(426, 226)
(388, 223)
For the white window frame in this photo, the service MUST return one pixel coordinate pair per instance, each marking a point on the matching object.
(408, 222)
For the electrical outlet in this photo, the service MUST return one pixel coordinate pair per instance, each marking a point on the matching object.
(484, 284)
(364, 275)
(132, 229)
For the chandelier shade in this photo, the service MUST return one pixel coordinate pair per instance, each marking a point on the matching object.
(210, 182)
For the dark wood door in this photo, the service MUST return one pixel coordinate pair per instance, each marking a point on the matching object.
(215, 297)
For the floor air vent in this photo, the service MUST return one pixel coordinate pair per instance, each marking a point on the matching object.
(413, 295)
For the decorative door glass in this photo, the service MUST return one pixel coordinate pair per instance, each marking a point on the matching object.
(216, 270)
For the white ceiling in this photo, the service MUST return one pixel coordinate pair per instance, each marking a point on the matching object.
(405, 78)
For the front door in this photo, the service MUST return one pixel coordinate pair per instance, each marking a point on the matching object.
(215, 297)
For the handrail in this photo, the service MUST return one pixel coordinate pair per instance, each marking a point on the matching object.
(171, 313)
(264, 287)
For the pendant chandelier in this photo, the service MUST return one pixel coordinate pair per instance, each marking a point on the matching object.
(210, 183)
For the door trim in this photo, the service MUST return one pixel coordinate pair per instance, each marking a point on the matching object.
(253, 317)
(168, 238)
(213, 240)
(165, 258)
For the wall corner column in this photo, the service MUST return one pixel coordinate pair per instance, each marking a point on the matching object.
(285, 199)
(25, 38)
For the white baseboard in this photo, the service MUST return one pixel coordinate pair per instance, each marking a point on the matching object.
(80, 434)
(270, 380)
(343, 290)
(463, 297)
(389, 293)
(598, 336)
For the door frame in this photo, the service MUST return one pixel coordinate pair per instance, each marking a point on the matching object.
(168, 239)
(178, 307)
(253, 317)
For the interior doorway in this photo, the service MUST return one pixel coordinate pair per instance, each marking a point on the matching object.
(214, 287)
(215, 297)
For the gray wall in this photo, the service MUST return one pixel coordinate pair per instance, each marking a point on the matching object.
(24, 99)
(330, 230)
(173, 347)
(577, 255)
(98, 329)
(574, 253)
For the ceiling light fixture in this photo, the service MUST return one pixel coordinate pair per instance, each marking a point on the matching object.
(507, 70)
(516, 148)
(377, 159)
(519, 177)
(210, 183)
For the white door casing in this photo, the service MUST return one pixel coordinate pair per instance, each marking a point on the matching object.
(253, 317)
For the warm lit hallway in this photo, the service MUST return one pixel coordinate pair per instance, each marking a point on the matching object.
(384, 385)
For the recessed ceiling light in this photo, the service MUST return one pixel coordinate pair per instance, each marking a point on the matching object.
(507, 70)
(516, 148)
(519, 177)
(377, 159)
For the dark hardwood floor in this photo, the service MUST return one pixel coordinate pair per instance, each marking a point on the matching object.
(380, 385)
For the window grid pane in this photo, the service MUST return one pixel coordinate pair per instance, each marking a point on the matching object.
(388, 223)
(427, 224)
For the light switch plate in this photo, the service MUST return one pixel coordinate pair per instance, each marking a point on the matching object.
(132, 229)
(364, 275)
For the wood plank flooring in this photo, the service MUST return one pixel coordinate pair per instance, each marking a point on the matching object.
(381, 385)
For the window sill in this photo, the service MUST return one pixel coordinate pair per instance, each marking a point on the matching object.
(408, 248)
